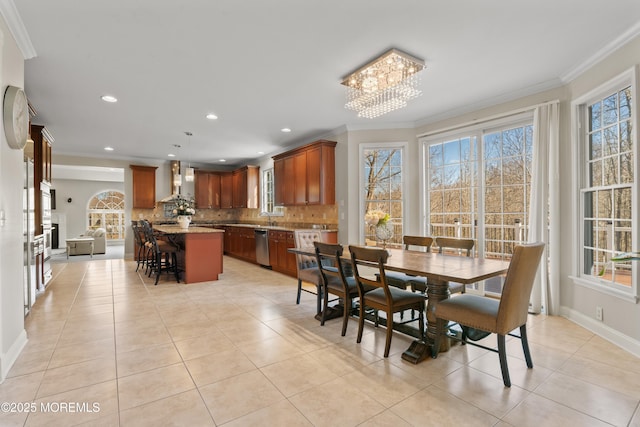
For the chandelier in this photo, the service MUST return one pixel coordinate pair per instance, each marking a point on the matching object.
(384, 84)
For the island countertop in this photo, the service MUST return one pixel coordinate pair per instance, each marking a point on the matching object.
(175, 229)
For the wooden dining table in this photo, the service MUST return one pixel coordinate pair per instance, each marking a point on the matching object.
(439, 270)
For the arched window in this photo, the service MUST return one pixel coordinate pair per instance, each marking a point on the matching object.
(106, 210)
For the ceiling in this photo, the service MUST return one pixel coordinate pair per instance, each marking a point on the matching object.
(261, 66)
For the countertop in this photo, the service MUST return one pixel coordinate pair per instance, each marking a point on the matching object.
(175, 229)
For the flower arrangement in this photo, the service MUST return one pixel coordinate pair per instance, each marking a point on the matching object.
(183, 207)
(376, 218)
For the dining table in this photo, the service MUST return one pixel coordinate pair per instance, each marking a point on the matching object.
(439, 269)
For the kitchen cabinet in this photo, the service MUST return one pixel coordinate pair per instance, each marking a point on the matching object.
(246, 189)
(226, 190)
(144, 186)
(280, 259)
(41, 170)
(306, 175)
(240, 242)
(207, 189)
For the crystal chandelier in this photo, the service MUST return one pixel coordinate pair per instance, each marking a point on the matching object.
(384, 84)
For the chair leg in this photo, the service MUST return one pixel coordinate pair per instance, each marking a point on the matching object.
(324, 310)
(174, 260)
(502, 353)
(299, 291)
(360, 323)
(387, 344)
(345, 315)
(158, 267)
(421, 322)
(525, 346)
(319, 292)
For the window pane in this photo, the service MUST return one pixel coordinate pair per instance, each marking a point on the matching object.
(492, 146)
(595, 140)
(626, 168)
(625, 103)
(435, 155)
(594, 114)
(610, 172)
(622, 198)
(610, 143)
(610, 110)
(596, 173)
(451, 152)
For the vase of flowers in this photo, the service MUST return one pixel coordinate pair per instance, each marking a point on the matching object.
(380, 220)
(183, 209)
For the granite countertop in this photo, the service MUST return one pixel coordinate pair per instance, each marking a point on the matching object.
(175, 229)
(209, 226)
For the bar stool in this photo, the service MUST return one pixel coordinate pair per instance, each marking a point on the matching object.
(162, 256)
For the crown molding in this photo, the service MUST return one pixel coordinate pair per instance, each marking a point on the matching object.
(607, 50)
(491, 102)
(13, 20)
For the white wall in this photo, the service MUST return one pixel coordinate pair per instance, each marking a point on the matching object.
(80, 193)
(12, 333)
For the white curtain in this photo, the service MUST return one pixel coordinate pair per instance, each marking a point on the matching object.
(544, 209)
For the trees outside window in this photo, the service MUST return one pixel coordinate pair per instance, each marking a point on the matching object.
(383, 186)
(608, 186)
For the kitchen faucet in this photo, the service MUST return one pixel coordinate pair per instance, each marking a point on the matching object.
(268, 215)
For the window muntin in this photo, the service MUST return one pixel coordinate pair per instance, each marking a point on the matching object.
(383, 178)
(481, 190)
(106, 210)
(607, 194)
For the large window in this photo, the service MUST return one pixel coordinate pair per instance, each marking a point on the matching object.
(106, 210)
(383, 186)
(608, 186)
(478, 186)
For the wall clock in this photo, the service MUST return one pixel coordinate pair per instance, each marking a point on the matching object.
(16, 117)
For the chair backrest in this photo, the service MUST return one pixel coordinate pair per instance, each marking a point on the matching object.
(514, 302)
(455, 243)
(329, 254)
(422, 241)
(137, 233)
(365, 257)
(304, 240)
(149, 237)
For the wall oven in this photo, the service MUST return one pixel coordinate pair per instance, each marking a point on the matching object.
(46, 231)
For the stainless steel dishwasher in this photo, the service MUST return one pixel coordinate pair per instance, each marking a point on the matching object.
(262, 246)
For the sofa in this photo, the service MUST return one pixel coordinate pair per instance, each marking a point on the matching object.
(84, 248)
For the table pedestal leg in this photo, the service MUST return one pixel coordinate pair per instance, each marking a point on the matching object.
(436, 292)
(420, 350)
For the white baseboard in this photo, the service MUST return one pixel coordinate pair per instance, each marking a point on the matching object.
(597, 327)
(8, 359)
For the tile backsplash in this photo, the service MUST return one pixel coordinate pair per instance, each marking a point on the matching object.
(294, 216)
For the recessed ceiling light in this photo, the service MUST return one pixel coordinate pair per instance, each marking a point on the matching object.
(222, 160)
(212, 116)
(285, 130)
(260, 152)
(109, 98)
(171, 155)
(108, 148)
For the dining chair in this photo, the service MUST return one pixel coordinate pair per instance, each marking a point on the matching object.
(383, 297)
(403, 280)
(335, 280)
(454, 246)
(307, 266)
(497, 316)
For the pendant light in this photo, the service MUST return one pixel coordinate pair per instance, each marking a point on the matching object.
(188, 172)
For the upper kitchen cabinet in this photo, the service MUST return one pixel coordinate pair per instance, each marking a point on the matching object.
(144, 186)
(306, 175)
(246, 187)
(207, 189)
(41, 154)
(226, 190)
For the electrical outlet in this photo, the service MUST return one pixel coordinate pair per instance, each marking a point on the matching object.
(599, 313)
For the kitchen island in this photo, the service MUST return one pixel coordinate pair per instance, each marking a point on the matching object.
(200, 255)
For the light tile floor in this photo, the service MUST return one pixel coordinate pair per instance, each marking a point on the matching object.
(240, 352)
